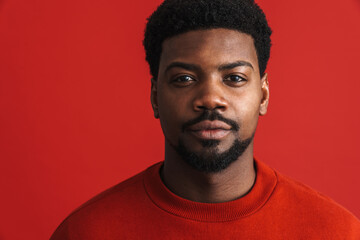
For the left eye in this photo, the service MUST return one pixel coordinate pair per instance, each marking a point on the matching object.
(234, 78)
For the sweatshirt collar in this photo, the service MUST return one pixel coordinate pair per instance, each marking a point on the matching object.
(162, 197)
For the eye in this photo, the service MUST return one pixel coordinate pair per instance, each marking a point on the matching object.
(183, 80)
(234, 78)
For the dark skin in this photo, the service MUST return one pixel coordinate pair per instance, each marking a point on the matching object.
(209, 70)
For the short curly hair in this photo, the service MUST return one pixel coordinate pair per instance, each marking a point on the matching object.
(174, 17)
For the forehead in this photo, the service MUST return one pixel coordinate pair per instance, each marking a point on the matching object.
(208, 48)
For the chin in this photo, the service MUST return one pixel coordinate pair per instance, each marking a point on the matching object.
(210, 159)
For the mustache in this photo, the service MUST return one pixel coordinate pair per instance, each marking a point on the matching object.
(211, 115)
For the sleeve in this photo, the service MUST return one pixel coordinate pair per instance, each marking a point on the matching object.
(62, 232)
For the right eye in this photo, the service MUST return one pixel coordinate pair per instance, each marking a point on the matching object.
(183, 80)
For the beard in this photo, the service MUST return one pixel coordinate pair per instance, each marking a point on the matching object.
(211, 161)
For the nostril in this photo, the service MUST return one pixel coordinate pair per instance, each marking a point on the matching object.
(210, 99)
(204, 108)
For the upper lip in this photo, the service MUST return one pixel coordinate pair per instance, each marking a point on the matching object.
(209, 125)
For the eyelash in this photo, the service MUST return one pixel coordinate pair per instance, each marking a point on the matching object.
(180, 79)
(234, 75)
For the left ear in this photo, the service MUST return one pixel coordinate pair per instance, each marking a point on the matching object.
(265, 95)
(153, 98)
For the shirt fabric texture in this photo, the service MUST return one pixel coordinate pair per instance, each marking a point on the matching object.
(275, 208)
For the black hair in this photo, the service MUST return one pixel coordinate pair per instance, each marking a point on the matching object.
(174, 17)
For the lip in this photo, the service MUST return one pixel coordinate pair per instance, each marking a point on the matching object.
(209, 125)
(210, 130)
(212, 134)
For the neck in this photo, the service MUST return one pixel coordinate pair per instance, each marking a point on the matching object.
(229, 184)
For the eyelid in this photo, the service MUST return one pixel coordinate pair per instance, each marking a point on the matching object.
(243, 78)
(178, 83)
(178, 76)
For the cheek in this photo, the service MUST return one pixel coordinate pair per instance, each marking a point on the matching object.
(248, 115)
(174, 105)
(171, 113)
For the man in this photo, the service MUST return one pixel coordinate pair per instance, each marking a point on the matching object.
(209, 86)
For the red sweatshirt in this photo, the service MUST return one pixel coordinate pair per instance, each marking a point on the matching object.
(275, 208)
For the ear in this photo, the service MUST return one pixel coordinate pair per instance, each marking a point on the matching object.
(265, 95)
(153, 98)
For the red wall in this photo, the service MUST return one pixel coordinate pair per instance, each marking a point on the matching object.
(75, 116)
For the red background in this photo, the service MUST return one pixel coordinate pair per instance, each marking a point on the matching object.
(75, 116)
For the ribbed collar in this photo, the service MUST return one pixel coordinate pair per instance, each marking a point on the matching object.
(265, 184)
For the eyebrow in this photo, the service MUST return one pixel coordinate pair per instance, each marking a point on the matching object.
(186, 66)
(228, 66)
(195, 67)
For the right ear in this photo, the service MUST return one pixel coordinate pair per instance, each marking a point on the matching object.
(265, 95)
(153, 98)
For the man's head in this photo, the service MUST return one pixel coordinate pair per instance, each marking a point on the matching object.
(208, 60)
(174, 17)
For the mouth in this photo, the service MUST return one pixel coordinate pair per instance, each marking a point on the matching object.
(210, 130)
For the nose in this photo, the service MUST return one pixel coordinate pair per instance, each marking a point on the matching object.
(210, 96)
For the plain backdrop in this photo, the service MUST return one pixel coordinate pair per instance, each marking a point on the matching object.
(75, 115)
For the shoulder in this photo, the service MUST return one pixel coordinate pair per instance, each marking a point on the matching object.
(119, 194)
(308, 205)
(105, 210)
(302, 194)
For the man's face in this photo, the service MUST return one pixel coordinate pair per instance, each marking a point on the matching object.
(209, 94)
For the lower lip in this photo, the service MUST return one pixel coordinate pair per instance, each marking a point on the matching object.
(213, 134)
